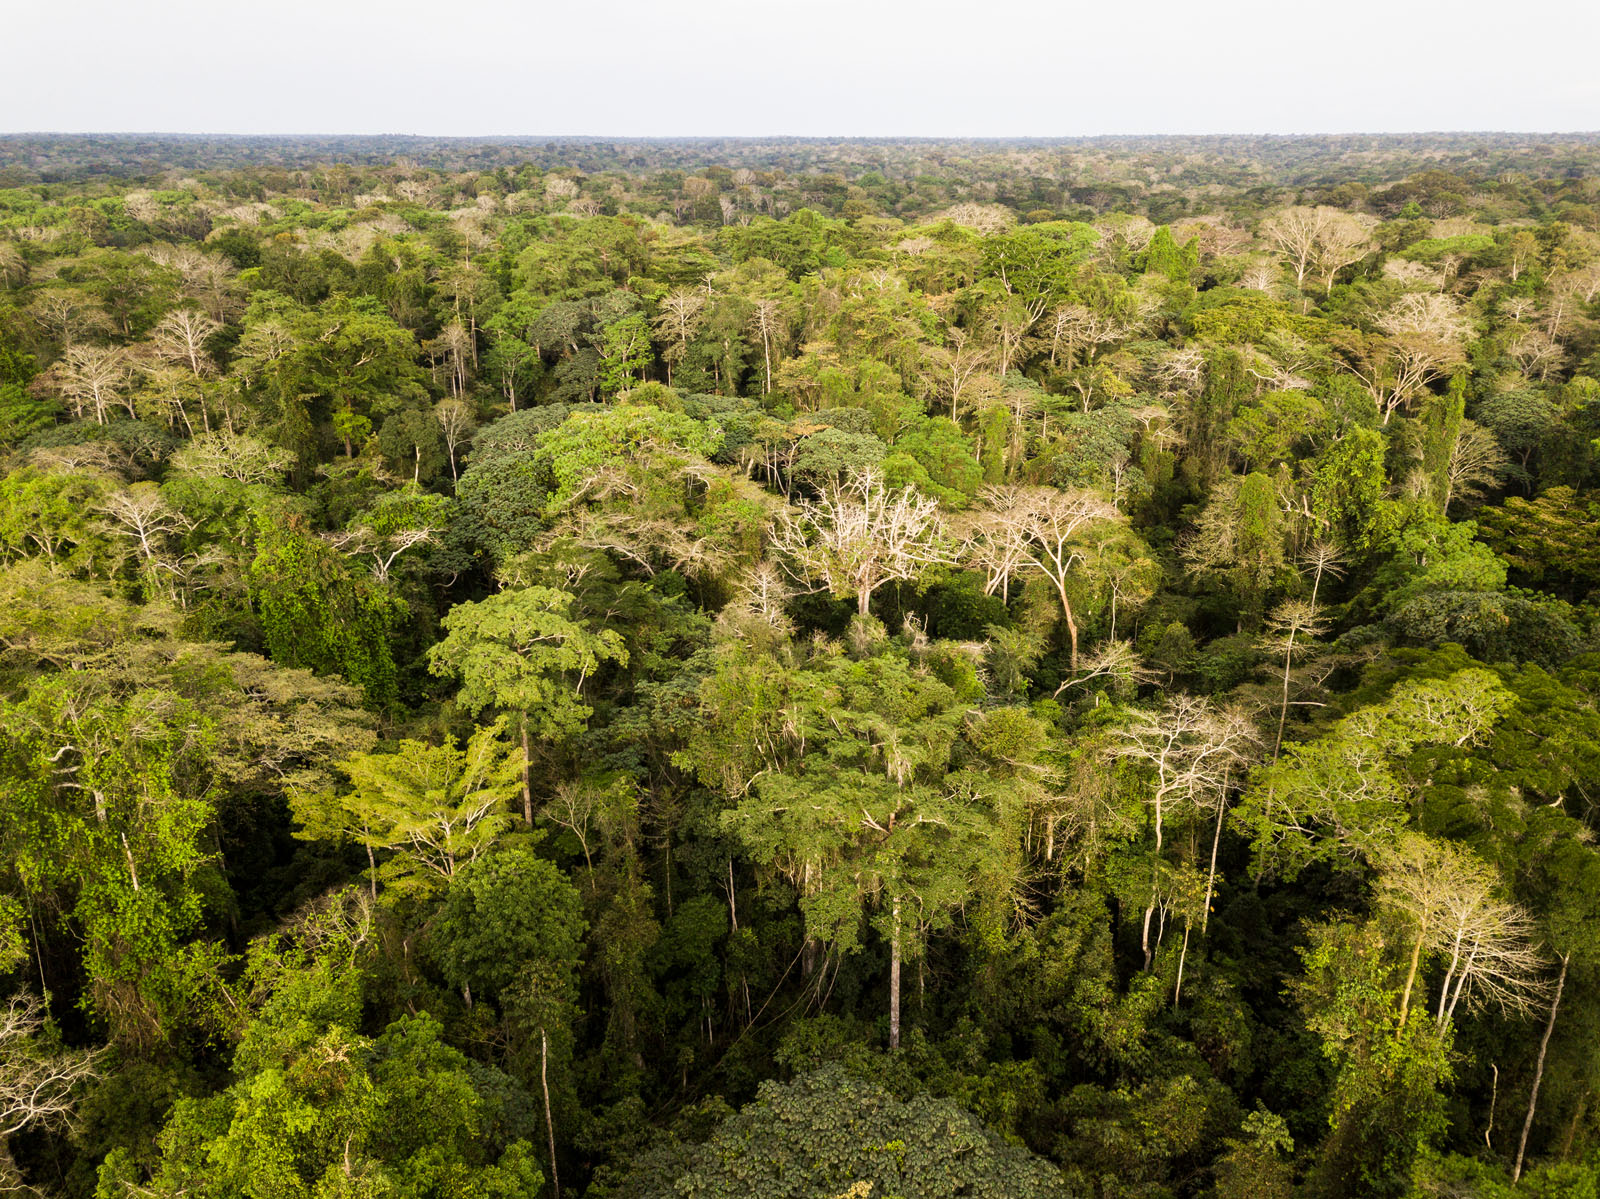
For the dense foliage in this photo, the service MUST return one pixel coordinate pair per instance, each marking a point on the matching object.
(799, 668)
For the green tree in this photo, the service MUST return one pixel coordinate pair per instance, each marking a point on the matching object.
(830, 1134)
(314, 613)
(434, 807)
(522, 651)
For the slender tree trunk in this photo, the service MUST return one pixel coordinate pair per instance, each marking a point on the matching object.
(1183, 956)
(894, 980)
(1538, 1070)
(549, 1121)
(1216, 840)
(527, 789)
(1411, 974)
(1572, 1126)
(1494, 1098)
(1283, 707)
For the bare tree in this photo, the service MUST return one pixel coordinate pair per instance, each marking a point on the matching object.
(224, 454)
(1343, 240)
(1475, 464)
(1538, 1070)
(68, 314)
(36, 1083)
(1295, 233)
(142, 515)
(994, 539)
(384, 549)
(956, 364)
(13, 268)
(766, 318)
(1039, 529)
(860, 535)
(1287, 623)
(682, 313)
(1424, 337)
(94, 380)
(1193, 750)
(180, 340)
(1451, 896)
(458, 424)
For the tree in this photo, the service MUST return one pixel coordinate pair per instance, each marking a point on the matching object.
(435, 807)
(180, 339)
(1287, 623)
(1044, 531)
(850, 795)
(513, 926)
(825, 1133)
(519, 650)
(38, 1082)
(1423, 339)
(860, 535)
(1240, 535)
(1193, 750)
(1450, 896)
(1339, 797)
(141, 514)
(327, 1111)
(682, 313)
(94, 380)
(314, 614)
(1316, 239)
(625, 354)
(457, 424)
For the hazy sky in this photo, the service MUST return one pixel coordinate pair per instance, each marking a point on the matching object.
(819, 67)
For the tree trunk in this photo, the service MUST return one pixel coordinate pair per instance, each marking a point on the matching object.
(1538, 1070)
(1183, 956)
(894, 980)
(1411, 974)
(1072, 628)
(549, 1122)
(527, 789)
(1211, 874)
(1283, 707)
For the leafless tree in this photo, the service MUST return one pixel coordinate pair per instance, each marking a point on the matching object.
(457, 424)
(1290, 622)
(766, 318)
(1452, 898)
(224, 454)
(37, 1083)
(180, 339)
(682, 313)
(1193, 750)
(860, 535)
(94, 380)
(956, 364)
(1039, 529)
(384, 549)
(13, 268)
(1318, 239)
(141, 514)
(1424, 336)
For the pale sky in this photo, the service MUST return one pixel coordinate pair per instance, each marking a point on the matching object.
(658, 68)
